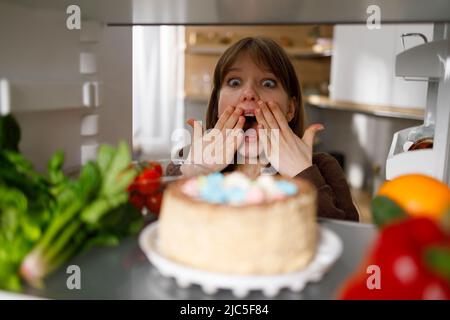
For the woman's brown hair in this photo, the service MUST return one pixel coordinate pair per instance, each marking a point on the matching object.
(266, 53)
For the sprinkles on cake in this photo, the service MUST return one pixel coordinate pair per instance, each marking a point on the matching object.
(237, 189)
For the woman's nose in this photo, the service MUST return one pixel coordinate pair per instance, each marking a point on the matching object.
(249, 94)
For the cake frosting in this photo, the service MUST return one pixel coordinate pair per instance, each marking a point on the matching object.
(232, 224)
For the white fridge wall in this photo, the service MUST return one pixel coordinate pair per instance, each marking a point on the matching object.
(115, 64)
(362, 71)
(36, 47)
(363, 65)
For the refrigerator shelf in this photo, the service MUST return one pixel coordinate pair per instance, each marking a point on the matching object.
(401, 162)
(46, 96)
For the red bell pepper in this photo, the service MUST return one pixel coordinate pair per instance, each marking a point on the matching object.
(401, 256)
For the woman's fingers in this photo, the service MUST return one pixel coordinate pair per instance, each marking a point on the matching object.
(227, 142)
(310, 132)
(196, 141)
(279, 116)
(260, 119)
(236, 132)
(196, 127)
(263, 131)
(259, 127)
(224, 117)
(268, 116)
(240, 123)
(232, 119)
(269, 131)
(264, 139)
(190, 122)
(235, 138)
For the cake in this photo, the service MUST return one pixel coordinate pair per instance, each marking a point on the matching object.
(231, 224)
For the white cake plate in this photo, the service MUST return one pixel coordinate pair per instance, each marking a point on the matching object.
(328, 251)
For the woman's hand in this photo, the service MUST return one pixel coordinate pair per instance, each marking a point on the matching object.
(214, 150)
(287, 153)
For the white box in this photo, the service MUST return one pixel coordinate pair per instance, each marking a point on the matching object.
(89, 125)
(88, 63)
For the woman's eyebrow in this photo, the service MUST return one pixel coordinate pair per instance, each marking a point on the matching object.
(266, 72)
(270, 74)
(233, 69)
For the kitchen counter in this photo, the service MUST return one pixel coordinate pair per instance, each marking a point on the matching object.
(124, 272)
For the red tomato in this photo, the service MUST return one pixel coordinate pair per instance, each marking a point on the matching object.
(152, 165)
(158, 168)
(133, 187)
(148, 182)
(137, 200)
(149, 174)
(153, 203)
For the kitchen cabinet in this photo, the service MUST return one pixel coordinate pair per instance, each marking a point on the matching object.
(309, 47)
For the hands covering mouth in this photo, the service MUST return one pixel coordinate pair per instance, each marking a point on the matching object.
(287, 153)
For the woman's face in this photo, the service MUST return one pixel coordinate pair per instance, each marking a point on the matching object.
(244, 85)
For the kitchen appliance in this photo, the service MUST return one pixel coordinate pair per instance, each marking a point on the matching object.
(425, 148)
(72, 88)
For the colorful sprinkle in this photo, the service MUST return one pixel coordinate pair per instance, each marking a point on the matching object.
(286, 187)
(237, 189)
(255, 195)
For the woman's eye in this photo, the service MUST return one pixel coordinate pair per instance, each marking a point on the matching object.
(234, 82)
(269, 83)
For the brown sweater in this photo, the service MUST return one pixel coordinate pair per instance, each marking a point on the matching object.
(334, 197)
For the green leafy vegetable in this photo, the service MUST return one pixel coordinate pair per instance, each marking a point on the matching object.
(437, 259)
(44, 221)
(385, 211)
(25, 211)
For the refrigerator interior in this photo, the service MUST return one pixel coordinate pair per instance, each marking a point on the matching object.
(75, 89)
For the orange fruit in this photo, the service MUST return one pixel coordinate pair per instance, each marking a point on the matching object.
(418, 195)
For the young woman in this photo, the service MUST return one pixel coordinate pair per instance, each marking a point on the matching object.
(256, 93)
